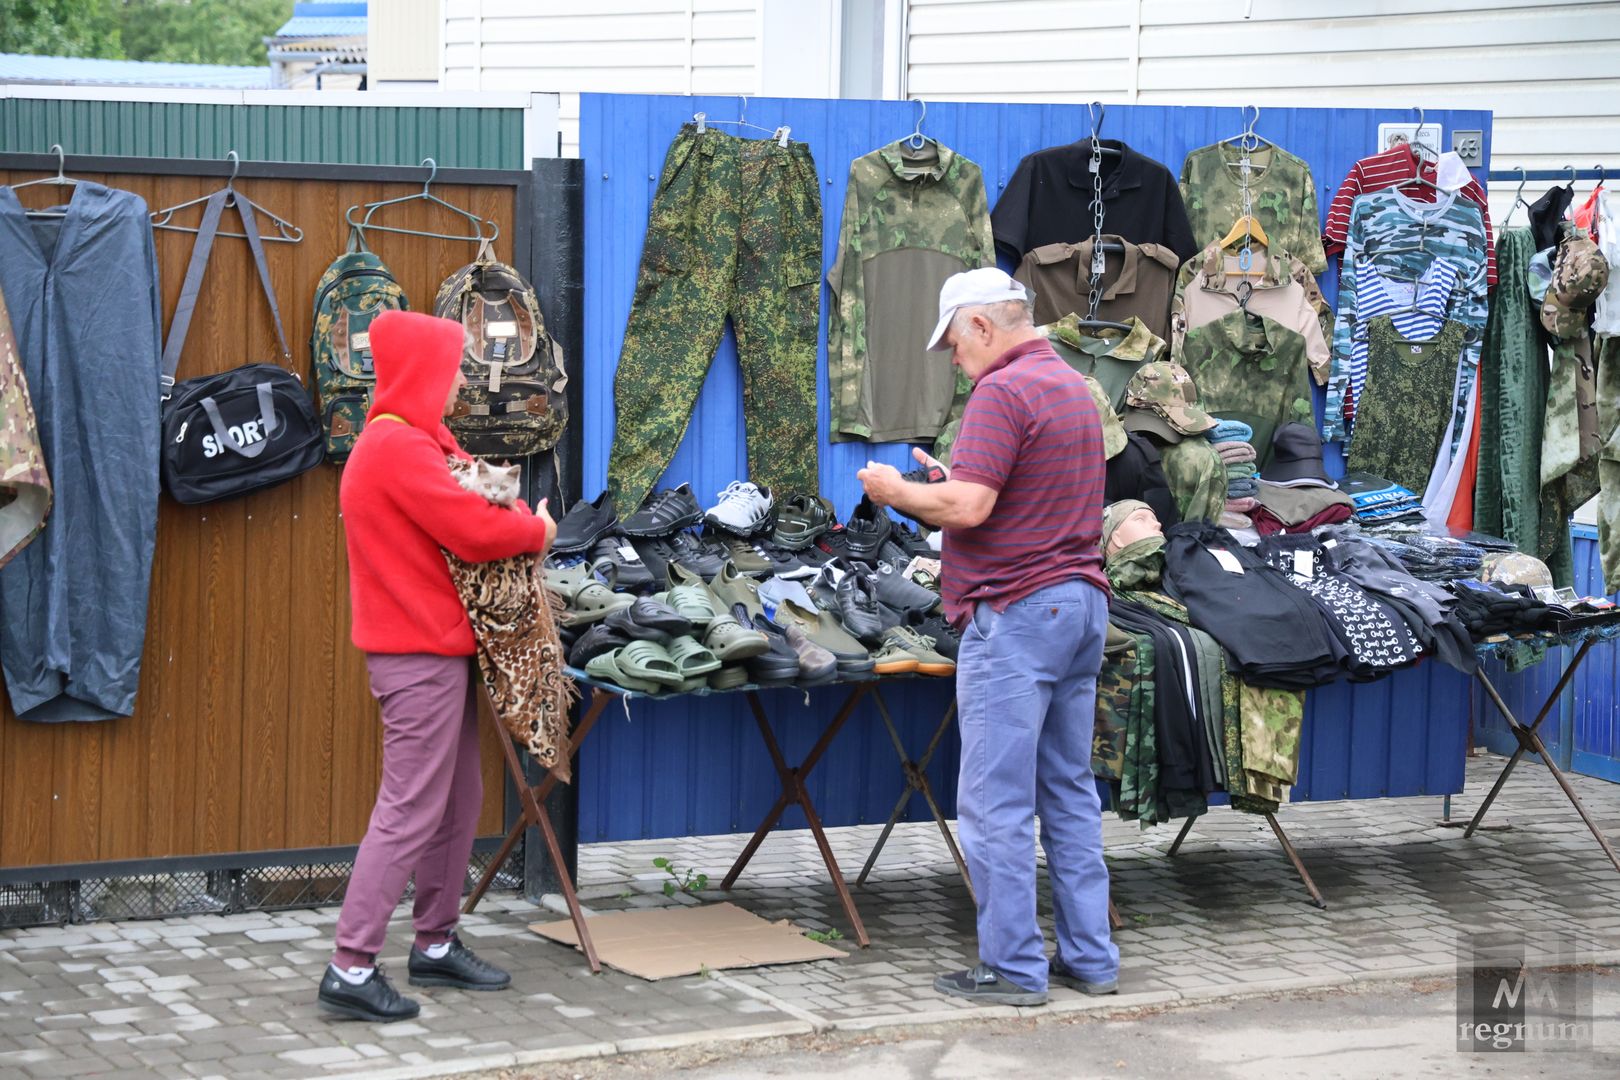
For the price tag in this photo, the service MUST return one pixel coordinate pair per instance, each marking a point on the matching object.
(1094, 165)
(1227, 560)
(360, 342)
(628, 553)
(1330, 544)
(1099, 263)
(1305, 564)
(500, 329)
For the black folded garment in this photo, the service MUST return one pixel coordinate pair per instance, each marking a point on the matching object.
(1490, 609)
(1274, 633)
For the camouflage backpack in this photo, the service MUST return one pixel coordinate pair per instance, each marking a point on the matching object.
(355, 289)
(514, 403)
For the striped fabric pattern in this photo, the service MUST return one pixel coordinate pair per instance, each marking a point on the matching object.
(1416, 318)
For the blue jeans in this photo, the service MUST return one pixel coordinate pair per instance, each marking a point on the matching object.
(1026, 688)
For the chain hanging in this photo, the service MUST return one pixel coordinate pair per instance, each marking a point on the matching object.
(1098, 262)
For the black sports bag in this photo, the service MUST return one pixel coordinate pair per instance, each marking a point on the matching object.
(240, 430)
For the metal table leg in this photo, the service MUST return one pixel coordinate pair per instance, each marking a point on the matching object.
(794, 793)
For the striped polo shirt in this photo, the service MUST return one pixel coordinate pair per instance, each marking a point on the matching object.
(1031, 433)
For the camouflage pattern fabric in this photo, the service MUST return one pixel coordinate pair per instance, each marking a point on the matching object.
(1168, 390)
(896, 200)
(1282, 197)
(1401, 238)
(1608, 403)
(1116, 693)
(355, 289)
(735, 229)
(1401, 412)
(1580, 274)
(1137, 565)
(25, 486)
(1569, 453)
(1137, 797)
(1271, 723)
(1252, 369)
(1108, 358)
(1197, 477)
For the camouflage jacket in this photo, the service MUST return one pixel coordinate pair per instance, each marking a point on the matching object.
(931, 213)
(22, 461)
(1400, 237)
(1282, 197)
(1108, 356)
(1250, 368)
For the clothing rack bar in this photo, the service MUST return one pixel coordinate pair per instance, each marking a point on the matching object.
(1551, 174)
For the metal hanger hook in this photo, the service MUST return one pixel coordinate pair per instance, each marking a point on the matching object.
(1524, 178)
(1095, 111)
(1602, 175)
(917, 139)
(1571, 169)
(61, 162)
(236, 166)
(742, 109)
(1419, 111)
(433, 170)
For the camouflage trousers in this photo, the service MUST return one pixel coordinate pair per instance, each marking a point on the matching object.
(1608, 404)
(735, 230)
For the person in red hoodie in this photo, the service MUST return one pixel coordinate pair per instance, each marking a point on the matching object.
(401, 511)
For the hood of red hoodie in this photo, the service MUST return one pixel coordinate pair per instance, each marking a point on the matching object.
(415, 357)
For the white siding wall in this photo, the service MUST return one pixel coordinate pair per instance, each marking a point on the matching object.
(1549, 70)
(601, 46)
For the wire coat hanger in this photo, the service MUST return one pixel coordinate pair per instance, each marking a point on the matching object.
(779, 134)
(1518, 197)
(61, 179)
(425, 195)
(288, 232)
(1095, 111)
(917, 139)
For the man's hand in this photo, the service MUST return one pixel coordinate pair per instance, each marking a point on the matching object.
(544, 515)
(882, 482)
(928, 461)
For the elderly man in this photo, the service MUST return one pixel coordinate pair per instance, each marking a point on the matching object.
(1023, 580)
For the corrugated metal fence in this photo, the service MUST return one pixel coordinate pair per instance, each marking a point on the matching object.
(682, 767)
(457, 138)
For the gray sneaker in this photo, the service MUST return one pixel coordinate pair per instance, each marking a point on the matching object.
(1056, 972)
(984, 983)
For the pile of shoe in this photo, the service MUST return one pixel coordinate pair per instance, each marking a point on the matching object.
(767, 593)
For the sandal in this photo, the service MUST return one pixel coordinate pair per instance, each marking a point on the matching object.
(691, 659)
(588, 599)
(606, 668)
(697, 682)
(694, 602)
(729, 640)
(650, 662)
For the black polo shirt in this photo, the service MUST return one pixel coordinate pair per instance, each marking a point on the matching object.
(1048, 201)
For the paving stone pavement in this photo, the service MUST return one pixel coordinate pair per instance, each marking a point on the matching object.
(233, 995)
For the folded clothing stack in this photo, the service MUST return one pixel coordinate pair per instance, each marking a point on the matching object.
(1489, 609)
(1286, 509)
(1431, 558)
(1380, 500)
(1231, 440)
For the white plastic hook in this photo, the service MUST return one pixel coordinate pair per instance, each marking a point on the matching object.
(917, 140)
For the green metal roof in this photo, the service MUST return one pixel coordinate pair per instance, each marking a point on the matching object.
(457, 138)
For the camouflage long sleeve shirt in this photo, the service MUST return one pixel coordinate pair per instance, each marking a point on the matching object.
(1282, 197)
(912, 218)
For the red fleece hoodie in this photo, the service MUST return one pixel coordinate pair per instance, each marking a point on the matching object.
(401, 505)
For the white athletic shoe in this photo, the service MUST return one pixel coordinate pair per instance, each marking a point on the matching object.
(743, 509)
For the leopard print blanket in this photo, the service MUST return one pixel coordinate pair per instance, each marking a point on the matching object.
(520, 655)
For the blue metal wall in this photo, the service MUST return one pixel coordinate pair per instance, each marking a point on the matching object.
(696, 767)
(1583, 730)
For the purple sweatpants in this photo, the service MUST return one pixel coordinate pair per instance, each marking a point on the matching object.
(427, 808)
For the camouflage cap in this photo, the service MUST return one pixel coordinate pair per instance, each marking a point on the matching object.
(1113, 431)
(1168, 390)
(1580, 273)
(1515, 568)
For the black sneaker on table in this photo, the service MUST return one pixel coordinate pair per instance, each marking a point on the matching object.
(984, 983)
(704, 559)
(800, 519)
(458, 968)
(947, 642)
(630, 574)
(663, 513)
(584, 524)
(374, 1000)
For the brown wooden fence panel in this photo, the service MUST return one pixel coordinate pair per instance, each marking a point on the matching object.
(254, 728)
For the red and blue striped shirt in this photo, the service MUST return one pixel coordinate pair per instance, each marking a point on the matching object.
(1031, 433)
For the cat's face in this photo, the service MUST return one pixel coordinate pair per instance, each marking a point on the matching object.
(497, 483)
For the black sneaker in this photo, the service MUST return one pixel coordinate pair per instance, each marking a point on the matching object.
(800, 519)
(664, 513)
(911, 541)
(862, 536)
(947, 642)
(777, 665)
(705, 560)
(900, 592)
(457, 968)
(595, 641)
(858, 608)
(629, 573)
(928, 474)
(374, 1000)
(984, 983)
(584, 524)
(894, 555)
(1056, 972)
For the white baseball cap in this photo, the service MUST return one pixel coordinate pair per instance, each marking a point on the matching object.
(986, 285)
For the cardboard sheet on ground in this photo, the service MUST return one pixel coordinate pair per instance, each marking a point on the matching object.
(660, 943)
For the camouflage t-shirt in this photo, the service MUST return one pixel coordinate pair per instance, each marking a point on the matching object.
(912, 218)
(1282, 197)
